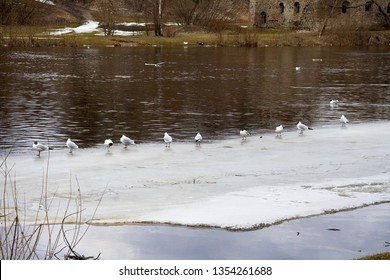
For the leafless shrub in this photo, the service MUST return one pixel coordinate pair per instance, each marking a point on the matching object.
(20, 12)
(108, 12)
(20, 240)
(214, 14)
(248, 38)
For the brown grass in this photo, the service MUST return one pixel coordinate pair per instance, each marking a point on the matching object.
(379, 256)
(22, 36)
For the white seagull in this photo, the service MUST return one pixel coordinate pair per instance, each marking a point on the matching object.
(39, 147)
(71, 145)
(244, 134)
(108, 143)
(198, 138)
(279, 130)
(333, 102)
(343, 120)
(126, 141)
(167, 139)
(301, 127)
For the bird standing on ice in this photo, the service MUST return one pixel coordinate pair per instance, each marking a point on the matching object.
(279, 130)
(301, 127)
(167, 140)
(126, 141)
(198, 138)
(343, 120)
(108, 143)
(71, 145)
(39, 147)
(244, 134)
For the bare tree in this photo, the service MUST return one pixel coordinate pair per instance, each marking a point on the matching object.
(207, 13)
(136, 6)
(184, 11)
(6, 10)
(108, 12)
(20, 12)
(152, 11)
(157, 16)
(382, 11)
(327, 18)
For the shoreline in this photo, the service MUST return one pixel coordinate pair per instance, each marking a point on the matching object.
(38, 36)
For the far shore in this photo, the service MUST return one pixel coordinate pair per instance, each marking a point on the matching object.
(30, 36)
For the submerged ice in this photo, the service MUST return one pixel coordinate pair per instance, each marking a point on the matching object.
(229, 183)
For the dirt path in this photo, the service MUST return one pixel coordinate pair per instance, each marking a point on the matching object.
(79, 12)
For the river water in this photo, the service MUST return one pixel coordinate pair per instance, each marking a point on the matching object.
(90, 95)
(93, 94)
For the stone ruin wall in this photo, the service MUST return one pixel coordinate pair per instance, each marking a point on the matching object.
(311, 14)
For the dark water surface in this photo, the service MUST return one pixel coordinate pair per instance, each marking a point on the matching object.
(93, 94)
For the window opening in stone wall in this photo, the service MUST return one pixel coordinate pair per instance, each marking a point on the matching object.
(344, 7)
(296, 7)
(388, 7)
(263, 17)
(260, 19)
(281, 8)
(368, 6)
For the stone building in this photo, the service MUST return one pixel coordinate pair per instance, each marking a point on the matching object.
(313, 14)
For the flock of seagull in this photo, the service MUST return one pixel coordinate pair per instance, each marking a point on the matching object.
(126, 141)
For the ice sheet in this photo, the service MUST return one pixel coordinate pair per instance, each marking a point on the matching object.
(229, 183)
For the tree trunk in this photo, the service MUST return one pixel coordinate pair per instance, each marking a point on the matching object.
(326, 19)
(386, 16)
(158, 19)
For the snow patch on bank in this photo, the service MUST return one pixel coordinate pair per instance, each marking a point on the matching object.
(93, 27)
(88, 27)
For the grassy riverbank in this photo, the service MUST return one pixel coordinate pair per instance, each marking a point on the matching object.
(380, 256)
(30, 36)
